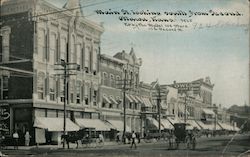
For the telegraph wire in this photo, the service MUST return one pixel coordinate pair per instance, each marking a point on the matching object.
(56, 12)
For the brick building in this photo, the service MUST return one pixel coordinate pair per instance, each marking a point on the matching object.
(32, 90)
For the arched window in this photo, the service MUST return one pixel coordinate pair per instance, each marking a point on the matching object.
(78, 92)
(87, 59)
(42, 43)
(52, 88)
(78, 55)
(71, 90)
(118, 82)
(73, 50)
(63, 48)
(105, 79)
(112, 81)
(53, 48)
(95, 53)
(41, 85)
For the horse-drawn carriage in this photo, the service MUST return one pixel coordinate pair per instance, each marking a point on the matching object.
(182, 135)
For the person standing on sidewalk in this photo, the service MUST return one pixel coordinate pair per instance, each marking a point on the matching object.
(16, 138)
(133, 140)
(27, 138)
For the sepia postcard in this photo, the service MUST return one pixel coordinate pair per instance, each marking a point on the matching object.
(124, 78)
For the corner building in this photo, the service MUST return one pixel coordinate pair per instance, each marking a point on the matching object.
(34, 45)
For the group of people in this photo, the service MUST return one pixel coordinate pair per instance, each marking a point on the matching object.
(16, 139)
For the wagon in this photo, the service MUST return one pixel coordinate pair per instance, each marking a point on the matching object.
(182, 135)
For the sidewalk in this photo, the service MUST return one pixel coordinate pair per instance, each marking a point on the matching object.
(73, 146)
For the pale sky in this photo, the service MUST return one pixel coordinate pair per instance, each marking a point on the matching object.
(220, 51)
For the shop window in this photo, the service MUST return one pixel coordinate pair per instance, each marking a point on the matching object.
(110, 105)
(130, 105)
(136, 106)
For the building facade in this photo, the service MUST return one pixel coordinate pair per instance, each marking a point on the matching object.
(117, 71)
(35, 45)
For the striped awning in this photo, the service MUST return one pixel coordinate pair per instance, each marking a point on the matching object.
(106, 99)
(113, 100)
(128, 98)
(139, 99)
(147, 102)
(133, 98)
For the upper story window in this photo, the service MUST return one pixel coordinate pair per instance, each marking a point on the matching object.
(118, 82)
(87, 59)
(86, 92)
(63, 49)
(73, 50)
(72, 88)
(62, 90)
(112, 81)
(53, 48)
(78, 92)
(105, 79)
(95, 54)
(52, 88)
(78, 55)
(41, 85)
(42, 44)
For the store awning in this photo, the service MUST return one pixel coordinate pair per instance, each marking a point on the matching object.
(226, 126)
(208, 111)
(113, 100)
(205, 126)
(173, 121)
(97, 124)
(166, 124)
(133, 98)
(193, 124)
(128, 98)
(106, 99)
(55, 124)
(118, 125)
(155, 123)
(139, 99)
(147, 102)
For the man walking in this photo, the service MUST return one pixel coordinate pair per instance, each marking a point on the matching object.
(15, 137)
(133, 140)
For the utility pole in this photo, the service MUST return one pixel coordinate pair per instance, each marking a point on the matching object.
(125, 83)
(185, 110)
(66, 73)
(159, 107)
(124, 107)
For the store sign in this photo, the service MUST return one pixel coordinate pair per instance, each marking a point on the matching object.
(5, 119)
(4, 114)
(187, 86)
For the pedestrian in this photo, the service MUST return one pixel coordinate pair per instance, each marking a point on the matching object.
(16, 138)
(101, 139)
(138, 137)
(118, 137)
(27, 138)
(133, 140)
